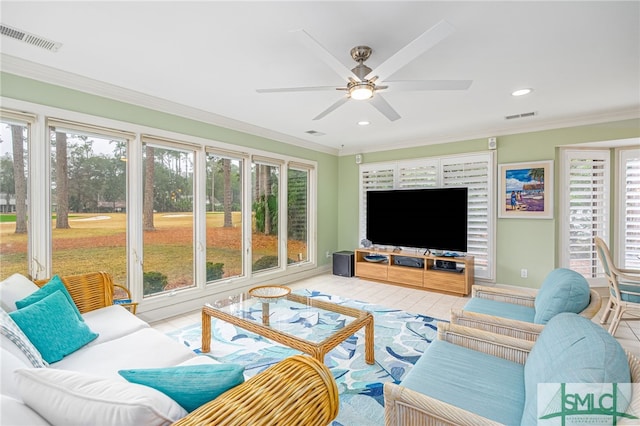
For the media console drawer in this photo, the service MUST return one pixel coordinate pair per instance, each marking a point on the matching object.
(405, 275)
(445, 281)
(376, 271)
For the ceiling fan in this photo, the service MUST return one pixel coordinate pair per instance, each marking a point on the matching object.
(363, 83)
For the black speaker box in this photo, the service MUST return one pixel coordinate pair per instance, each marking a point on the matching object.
(343, 263)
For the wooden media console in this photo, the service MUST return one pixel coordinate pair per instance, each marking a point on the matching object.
(427, 277)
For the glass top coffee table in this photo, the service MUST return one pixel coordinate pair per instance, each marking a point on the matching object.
(303, 323)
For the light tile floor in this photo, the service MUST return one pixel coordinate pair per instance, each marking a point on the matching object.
(436, 305)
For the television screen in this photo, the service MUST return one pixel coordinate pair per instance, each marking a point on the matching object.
(434, 219)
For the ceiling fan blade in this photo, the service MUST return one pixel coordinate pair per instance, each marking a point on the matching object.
(298, 89)
(333, 107)
(324, 54)
(429, 85)
(383, 106)
(402, 57)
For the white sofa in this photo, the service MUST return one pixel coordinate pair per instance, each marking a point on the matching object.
(86, 385)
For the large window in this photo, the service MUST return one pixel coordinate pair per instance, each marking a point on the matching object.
(224, 212)
(297, 214)
(88, 201)
(265, 240)
(14, 174)
(174, 217)
(585, 209)
(629, 209)
(472, 171)
(167, 218)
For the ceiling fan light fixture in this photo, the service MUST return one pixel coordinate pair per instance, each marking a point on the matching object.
(361, 91)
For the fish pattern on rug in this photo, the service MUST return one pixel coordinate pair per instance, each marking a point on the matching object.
(400, 339)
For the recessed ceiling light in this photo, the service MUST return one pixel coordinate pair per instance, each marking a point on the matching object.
(521, 92)
(363, 123)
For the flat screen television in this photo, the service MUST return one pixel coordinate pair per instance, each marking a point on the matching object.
(434, 218)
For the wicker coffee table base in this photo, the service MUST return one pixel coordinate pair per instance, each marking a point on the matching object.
(316, 350)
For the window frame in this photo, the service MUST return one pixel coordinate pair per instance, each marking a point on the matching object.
(39, 223)
(7, 116)
(626, 253)
(567, 155)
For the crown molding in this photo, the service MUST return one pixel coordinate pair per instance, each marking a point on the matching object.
(35, 71)
(23, 68)
(572, 121)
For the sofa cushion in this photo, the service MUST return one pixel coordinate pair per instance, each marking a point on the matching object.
(190, 386)
(16, 413)
(500, 309)
(112, 322)
(572, 349)
(8, 364)
(14, 288)
(71, 398)
(200, 359)
(145, 348)
(17, 343)
(53, 327)
(563, 290)
(471, 380)
(55, 284)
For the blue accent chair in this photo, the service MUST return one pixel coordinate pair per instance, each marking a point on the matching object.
(473, 377)
(523, 314)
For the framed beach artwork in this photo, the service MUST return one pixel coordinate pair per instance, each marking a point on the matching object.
(526, 190)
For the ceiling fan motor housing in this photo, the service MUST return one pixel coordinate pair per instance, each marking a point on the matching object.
(361, 54)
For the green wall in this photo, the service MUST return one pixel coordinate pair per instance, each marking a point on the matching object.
(521, 243)
(15, 87)
(530, 244)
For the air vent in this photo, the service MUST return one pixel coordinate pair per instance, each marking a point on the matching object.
(29, 38)
(523, 115)
(315, 133)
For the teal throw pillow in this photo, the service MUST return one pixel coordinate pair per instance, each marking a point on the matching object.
(563, 290)
(53, 327)
(189, 385)
(54, 284)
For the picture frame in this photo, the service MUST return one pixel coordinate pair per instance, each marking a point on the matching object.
(526, 190)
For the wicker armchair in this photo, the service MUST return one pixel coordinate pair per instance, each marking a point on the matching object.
(507, 326)
(94, 290)
(404, 406)
(297, 391)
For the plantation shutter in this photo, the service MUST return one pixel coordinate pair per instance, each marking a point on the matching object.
(415, 175)
(373, 178)
(475, 173)
(586, 183)
(630, 209)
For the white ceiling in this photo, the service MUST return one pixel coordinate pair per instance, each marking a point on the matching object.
(206, 59)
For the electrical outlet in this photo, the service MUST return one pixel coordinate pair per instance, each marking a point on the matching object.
(523, 273)
(328, 255)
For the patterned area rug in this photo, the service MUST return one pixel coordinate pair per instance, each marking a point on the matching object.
(400, 339)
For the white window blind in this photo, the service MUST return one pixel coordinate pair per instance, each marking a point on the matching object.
(475, 173)
(585, 209)
(418, 175)
(629, 241)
